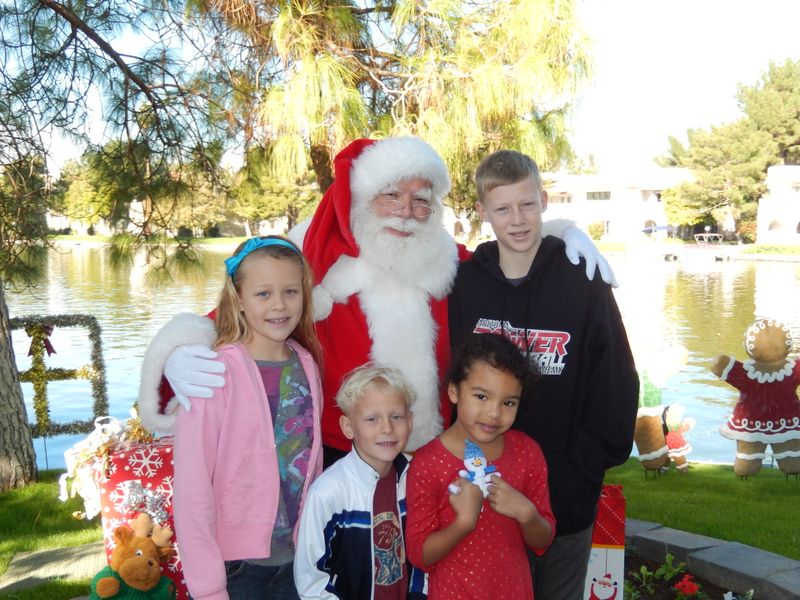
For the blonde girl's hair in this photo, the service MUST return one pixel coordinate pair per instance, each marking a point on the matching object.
(230, 323)
(370, 375)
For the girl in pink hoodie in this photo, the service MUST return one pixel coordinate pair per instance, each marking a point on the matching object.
(244, 459)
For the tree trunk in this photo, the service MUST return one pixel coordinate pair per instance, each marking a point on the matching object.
(321, 163)
(17, 457)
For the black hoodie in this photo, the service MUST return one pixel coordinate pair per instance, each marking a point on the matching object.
(583, 410)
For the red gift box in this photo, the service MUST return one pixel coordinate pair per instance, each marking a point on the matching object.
(138, 478)
(606, 572)
(609, 526)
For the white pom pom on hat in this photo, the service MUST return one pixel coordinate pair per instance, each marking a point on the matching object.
(390, 160)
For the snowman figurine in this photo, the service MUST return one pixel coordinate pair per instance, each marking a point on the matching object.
(478, 470)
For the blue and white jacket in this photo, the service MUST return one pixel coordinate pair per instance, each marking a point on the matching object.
(334, 557)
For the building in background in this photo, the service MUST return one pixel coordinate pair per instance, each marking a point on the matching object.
(617, 206)
(778, 219)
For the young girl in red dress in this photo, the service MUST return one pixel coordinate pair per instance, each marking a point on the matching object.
(474, 546)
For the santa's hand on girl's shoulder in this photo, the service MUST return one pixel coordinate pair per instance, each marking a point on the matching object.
(192, 370)
(578, 245)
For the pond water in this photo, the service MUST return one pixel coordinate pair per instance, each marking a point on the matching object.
(697, 302)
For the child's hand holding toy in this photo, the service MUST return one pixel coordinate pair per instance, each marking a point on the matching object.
(478, 471)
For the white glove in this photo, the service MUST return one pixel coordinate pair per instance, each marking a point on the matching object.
(579, 244)
(189, 370)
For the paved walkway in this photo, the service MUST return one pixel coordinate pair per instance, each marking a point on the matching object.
(731, 565)
(29, 569)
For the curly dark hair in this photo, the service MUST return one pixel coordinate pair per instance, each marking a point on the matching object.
(497, 352)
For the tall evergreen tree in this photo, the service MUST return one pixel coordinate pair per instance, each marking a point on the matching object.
(729, 164)
(773, 104)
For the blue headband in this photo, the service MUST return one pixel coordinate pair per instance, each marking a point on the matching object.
(232, 263)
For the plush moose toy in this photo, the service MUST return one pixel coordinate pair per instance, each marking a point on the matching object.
(768, 410)
(135, 569)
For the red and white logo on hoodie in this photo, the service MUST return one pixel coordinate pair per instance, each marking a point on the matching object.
(548, 348)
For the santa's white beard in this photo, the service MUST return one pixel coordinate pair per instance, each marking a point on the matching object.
(400, 276)
(405, 258)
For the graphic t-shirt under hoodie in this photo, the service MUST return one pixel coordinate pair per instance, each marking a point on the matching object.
(583, 409)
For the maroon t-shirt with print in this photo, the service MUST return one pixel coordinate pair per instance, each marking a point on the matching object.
(391, 581)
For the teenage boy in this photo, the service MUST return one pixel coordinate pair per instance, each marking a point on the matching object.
(350, 542)
(583, 409)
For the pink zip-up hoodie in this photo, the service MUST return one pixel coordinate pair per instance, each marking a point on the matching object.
(226, 472)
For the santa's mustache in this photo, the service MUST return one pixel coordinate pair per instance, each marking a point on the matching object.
(401, 224)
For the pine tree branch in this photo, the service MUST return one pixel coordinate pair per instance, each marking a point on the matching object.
(78, 24)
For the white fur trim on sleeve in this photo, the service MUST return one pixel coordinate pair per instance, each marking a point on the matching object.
(346, 277)
(183, 328)
(557, 227)
(323, 302)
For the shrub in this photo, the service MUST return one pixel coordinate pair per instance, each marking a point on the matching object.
(596, 230)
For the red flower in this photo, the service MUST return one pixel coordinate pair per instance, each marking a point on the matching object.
(687, 587)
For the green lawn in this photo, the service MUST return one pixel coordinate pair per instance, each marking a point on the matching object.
(762, 511)
(34, 518)
(771, 249)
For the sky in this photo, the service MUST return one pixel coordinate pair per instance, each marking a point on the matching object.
(662, 67)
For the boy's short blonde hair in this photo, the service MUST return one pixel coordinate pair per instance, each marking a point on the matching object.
(371, 375)
(505, 167)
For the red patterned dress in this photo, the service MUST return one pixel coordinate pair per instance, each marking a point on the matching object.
(768, 409)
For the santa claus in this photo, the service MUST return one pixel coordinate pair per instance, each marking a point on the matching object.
(383, 266)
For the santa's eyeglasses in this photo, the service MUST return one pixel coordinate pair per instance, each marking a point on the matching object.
(395, 203)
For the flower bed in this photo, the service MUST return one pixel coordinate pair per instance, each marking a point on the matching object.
(645, 580)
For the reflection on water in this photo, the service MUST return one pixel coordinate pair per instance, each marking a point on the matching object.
(703, 305)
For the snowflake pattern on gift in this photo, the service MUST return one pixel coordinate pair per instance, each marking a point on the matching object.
(145, 462)
(174, 565)
(109, 525)
(165, 488)
(118, 497)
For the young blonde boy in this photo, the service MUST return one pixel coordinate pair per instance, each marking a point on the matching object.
(351, 537)
(524, 288)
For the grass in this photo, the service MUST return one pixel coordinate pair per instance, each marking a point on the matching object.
(782, 250)
(58, 589)
(761, 511)
(33, 518)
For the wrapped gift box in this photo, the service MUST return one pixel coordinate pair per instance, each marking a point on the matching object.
(138, 478)
(606, 573)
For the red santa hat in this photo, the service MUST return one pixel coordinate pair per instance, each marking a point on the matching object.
(361, 171)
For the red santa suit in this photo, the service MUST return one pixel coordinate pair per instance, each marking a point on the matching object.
(389, 305)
